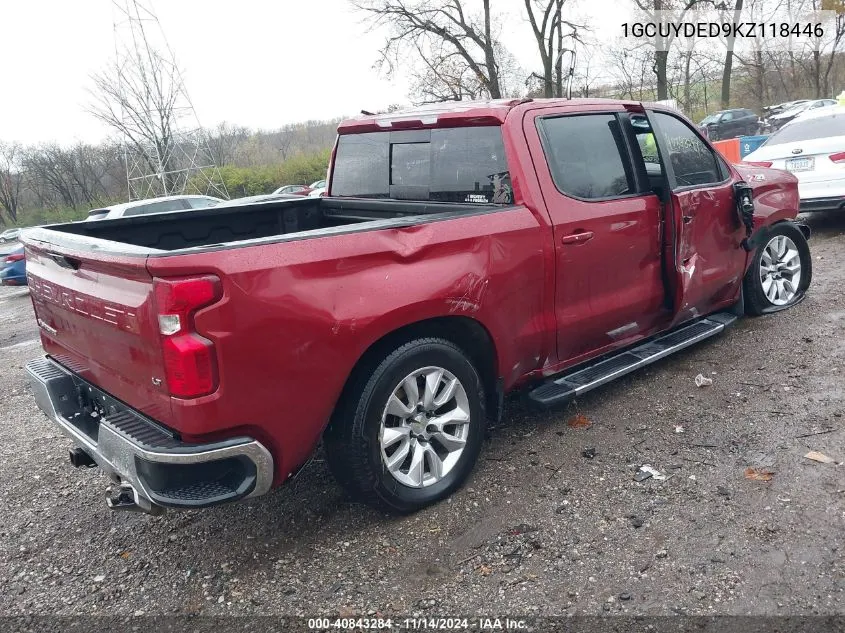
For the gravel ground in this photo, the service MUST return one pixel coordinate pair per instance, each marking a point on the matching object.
(538, 530)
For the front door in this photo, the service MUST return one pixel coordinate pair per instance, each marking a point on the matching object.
(708, 261)
(609, 289)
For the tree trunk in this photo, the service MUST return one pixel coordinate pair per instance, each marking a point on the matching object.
(661, 59)
(817, 74)
(494, 88)
(729, 59)
(559, 63)
(759, 76)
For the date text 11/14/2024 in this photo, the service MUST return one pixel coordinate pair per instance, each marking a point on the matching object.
(417, 624)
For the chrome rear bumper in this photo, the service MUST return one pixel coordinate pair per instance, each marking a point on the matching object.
(132, 449)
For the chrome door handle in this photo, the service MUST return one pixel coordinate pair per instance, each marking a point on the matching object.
(577, 238)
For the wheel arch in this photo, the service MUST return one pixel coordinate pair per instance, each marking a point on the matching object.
(469, 334)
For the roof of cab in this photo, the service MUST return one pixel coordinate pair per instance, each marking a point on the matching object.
(452, 113)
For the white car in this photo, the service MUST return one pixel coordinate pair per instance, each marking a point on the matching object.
(777, 121)
(812, 147)
(153, 205)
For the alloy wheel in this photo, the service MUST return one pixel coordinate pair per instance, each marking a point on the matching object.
(780, 270)
(424, 427)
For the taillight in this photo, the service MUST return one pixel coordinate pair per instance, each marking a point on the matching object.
(190, 363)
(759, 163)
(11, 259)
(838, 157)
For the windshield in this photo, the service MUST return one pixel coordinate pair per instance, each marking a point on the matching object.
(710, 118)
(809, 129)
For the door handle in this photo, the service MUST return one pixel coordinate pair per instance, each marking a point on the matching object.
(577, 238)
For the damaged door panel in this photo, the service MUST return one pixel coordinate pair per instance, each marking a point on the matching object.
(709, 260)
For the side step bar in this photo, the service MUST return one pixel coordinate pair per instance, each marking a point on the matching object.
(561, 389)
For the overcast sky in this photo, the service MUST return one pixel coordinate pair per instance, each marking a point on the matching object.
(259, 63)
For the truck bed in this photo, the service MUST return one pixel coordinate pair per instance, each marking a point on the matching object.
(281, 219)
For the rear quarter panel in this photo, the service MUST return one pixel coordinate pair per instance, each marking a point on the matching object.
(296, 316)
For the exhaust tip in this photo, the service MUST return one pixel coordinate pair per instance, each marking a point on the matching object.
(124, 497)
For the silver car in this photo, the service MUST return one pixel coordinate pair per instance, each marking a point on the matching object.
(153, 205)
(10, 235)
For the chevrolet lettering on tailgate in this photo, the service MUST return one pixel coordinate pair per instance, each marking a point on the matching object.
(86, 305)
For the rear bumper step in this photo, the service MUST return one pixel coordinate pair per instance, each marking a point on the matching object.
(133, 450)
(563, 388)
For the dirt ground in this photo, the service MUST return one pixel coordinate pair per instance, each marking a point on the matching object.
(538, 530)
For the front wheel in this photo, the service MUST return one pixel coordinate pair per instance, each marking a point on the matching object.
(780, 271)
(409, 433)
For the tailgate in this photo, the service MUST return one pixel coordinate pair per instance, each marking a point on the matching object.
(96, 314)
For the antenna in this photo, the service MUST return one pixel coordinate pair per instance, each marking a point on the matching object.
(165, 148)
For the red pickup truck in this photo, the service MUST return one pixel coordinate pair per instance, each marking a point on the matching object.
(464, 251)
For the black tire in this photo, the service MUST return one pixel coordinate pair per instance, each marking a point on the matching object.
(756, 301)
(352, 442)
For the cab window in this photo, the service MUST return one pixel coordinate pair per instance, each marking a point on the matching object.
(586, 154)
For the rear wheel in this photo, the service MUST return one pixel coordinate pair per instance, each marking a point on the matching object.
(409, 433)
(780, 271)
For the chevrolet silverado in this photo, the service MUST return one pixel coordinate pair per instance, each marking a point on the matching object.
(463, 251)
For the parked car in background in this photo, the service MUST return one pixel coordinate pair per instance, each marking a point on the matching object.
(299, 190)
(316, 193)
(730, 124)
(780, 107)
(812, 147)
(153, 205)
(264, 197)
(777, 121)
(13, 268)
(10, 235)
(320, 184)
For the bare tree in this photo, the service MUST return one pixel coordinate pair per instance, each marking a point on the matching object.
(663, 44)
(823, 77)
(547, 25)
(630, 66)
(586, 77)
(458, 50)
(10, 179)
(729, 58)
(223, 142)
(137, 99)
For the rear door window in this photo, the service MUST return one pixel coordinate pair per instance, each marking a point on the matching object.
(464, 164)
(585, 155)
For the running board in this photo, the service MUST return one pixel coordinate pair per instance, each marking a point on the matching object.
(563, 388)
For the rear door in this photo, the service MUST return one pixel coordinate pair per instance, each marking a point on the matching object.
(707, 261)
(97, 317)
(606, 221)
